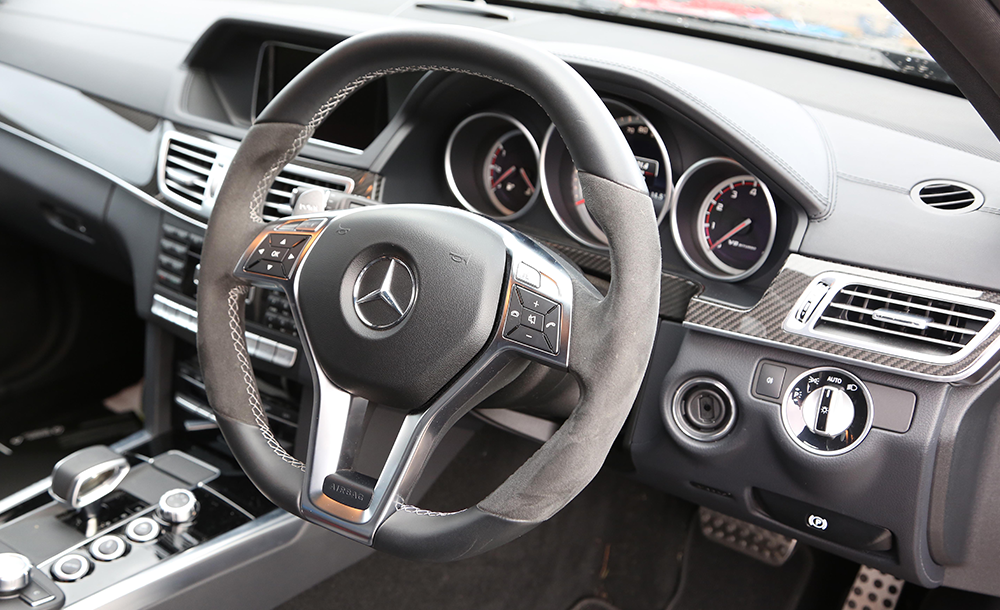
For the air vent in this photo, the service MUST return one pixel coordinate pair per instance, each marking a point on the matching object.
(278, 203)
(947, 196)
(187, 171)
(900, 322)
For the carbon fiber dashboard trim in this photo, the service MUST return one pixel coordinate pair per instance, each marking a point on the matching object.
(675, 292)
(763, 322)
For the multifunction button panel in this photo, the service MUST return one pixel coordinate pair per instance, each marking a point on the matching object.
(276, 254)
(827, 411)
(533, 320)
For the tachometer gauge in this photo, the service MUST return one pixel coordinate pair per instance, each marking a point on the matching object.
(510, 172)
(723, 219)
(736, 223)
(491, 164)
(561, 185)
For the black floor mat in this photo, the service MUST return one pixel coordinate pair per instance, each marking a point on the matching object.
(618, 541)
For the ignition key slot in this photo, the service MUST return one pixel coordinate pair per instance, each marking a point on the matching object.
(703, 408)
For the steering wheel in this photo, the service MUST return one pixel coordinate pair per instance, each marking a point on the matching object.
(426, 308)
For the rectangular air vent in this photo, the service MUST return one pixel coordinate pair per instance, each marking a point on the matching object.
(278, 203)
(192, 170)
(899, 320)
(187, 170)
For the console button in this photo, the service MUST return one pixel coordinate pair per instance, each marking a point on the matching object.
(837, 528)
(168, 279)
(172, 247)
(175, 232)
(534, 301)
(172, 264)
(70, 568)
(769, 380)
(177, 506)
(107, 548)
(142, 529)
(36, 595)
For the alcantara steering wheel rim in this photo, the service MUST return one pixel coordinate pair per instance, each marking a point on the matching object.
(604, 341)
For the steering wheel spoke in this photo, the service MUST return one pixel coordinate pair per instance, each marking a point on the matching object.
(532, 325)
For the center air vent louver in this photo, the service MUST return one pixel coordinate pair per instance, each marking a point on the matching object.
(947, 196)
(192, 170)
(278, 202)
(187, 171)
(909, 321)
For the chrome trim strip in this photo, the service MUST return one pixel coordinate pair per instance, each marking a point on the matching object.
(24, 494)
(146, 197)
(193, 408)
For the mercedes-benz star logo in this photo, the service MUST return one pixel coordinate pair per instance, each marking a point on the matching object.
(384, 292)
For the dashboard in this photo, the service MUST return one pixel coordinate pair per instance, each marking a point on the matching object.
(814, 224)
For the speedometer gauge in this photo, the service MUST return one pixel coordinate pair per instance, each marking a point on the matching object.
(723, 219)
(561, 185)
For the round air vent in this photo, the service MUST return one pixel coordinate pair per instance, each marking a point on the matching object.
(947, 196)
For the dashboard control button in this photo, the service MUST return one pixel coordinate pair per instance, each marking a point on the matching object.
(142, 529)
(70, 568)
(15, 572)
(284, 355)
(171, 247)
(171, 264)
(168, 279)
(108, 548)
(836, 528)
(534, 302)
(175, 232)
(533, 320)
(827, 411)
(177, 506)
(769, 380)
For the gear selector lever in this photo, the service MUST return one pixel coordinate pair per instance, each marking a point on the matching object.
(86, 476)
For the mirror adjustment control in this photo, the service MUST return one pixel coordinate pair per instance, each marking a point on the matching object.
(827, 411)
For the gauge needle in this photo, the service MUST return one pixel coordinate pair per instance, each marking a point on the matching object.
(524, 175)
(736, 229)
(510, 170)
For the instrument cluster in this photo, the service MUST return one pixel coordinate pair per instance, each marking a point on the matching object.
(722, 218)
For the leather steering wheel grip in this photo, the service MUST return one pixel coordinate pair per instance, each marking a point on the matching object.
(612, 336)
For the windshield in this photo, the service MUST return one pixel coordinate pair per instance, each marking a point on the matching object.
(860, 31)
